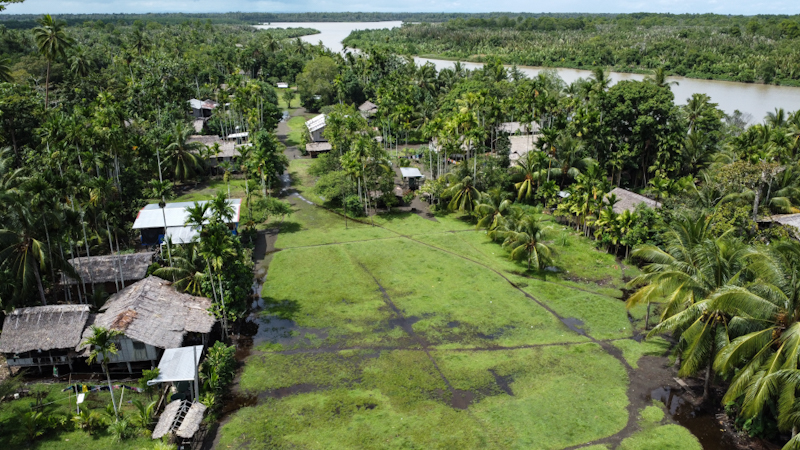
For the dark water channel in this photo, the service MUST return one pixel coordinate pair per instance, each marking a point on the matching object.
(702, 423)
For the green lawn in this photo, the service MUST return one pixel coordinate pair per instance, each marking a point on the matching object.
(296, 125)
(60, 405)
(282, 104)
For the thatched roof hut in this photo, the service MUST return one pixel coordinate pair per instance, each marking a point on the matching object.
(43, 328)
(155, 313)
(191, 423)
(106, 268)
(628, 201)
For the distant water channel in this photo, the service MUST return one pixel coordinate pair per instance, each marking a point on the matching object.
(754, 99)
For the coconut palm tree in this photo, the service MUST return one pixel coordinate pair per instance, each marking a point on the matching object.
(688, 274)
(23, 252)
(490, 208)
(183, 156)
(463, 194)
(187, 271)
(5, 71)
(531, 169)
(660, 78)
(53, 43)
(102, 343)
(524, 241)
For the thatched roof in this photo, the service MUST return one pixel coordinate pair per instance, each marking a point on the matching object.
(43, 328)
(368, 107)
(191, 423)
(318, 147)
(105, 268)
(155, 313)
(628, 201)
(167, 418)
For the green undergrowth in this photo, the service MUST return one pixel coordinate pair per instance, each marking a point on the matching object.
(14, 433)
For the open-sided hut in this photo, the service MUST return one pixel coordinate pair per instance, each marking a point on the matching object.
(227, 149)
(628, 201)
(153, 316)
(43, 335)
(113, 272)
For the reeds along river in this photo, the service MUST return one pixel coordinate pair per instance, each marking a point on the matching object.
(754, 99)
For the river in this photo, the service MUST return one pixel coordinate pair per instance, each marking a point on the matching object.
(753, 99)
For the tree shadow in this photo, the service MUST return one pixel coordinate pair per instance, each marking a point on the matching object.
(290, 227)
(283, 309)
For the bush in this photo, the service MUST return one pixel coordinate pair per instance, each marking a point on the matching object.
(121, 430)
(354, 206)
(219, 368)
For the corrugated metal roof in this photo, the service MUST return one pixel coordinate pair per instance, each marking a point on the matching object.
(182, 235)
(151, 216)
(410, 172)
(316, 123)
(177, 364)
(238, 135)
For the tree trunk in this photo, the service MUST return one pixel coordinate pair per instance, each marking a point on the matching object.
(647, 317)
(39, 282)
(110, 391)
(47, 86)
(49, 253)
(709, 368)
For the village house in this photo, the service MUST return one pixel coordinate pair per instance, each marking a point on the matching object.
(112, 272)
(521, 145)
(314, 149)
(228, 151)
(153, 316)
(368, 109)
(628, 201)
(152, 221)
(517, 128)
(43, 336)
(316, 126)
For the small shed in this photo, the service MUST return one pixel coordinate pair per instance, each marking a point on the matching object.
(791, 221)
(316, 126)
(43, 335)
(153, 316)
(239, 137)
(112, 271)
(628, 201)
(315, 148)
(180, 366)
(412, 176)
(282, 85)
(521, 146)
(368, 109)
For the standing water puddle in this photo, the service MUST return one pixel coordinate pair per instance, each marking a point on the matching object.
(700, 422)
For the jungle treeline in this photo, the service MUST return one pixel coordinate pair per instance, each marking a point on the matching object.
(753, 49)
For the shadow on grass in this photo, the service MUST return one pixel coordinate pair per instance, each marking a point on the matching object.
(290, 227)
(283, 309)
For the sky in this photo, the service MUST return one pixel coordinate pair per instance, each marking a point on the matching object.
(745, 7)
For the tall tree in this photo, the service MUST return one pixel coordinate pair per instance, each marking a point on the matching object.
(53, 43)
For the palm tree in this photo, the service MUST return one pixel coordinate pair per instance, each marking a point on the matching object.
(221, 209)
(525, 242)
(5, 71)
(183, 156)
(464, 194)
(490, 208)
(53, 43)
(186, 271)
(24, 253)
(660, 78)
(688, 274)
(600, 80)
(103, 344)
(530, 168)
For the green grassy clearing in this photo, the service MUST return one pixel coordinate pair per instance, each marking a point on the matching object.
(397, 399)
(632, 350)
(296, 125)
(209, 189)
(665, 437)
(349, 376)
(58, 404)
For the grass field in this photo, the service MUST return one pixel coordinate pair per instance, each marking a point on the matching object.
(296, 130)
(419, 333)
